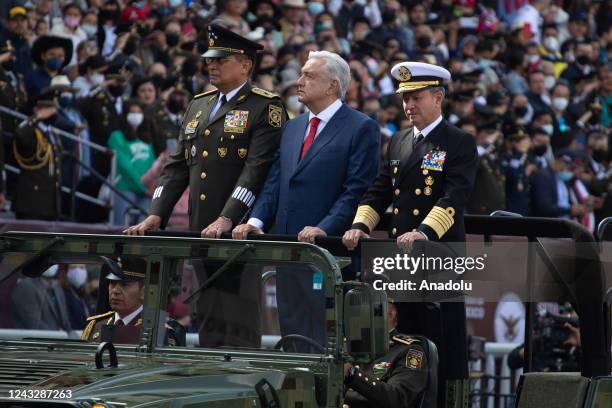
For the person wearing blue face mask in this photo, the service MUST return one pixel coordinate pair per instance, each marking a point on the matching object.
(551, 190)
(315, 8)
(51, 54)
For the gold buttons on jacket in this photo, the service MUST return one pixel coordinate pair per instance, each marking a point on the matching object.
(395, 211)
(204, 153)
(232, 137)
(394, 231)
(415, 212)
(395, 170)
(397, 191)
(417, 191)
(207, 132)
(203, 175)
(425, 172)
(202, 197)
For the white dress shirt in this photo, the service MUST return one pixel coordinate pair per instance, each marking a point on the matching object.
(228, 97)
(128, 319)
(429, 127)
(325, 116)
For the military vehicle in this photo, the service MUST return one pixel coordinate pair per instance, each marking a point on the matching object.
(210, 334)
(237, 359)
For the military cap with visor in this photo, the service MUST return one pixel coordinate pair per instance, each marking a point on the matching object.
(414, 76)
(223, 42)
(127, 269)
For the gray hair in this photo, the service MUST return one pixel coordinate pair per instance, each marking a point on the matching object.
(440, 89)
(337, 69)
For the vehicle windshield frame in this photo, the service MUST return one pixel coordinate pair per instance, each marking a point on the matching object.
(163, 253)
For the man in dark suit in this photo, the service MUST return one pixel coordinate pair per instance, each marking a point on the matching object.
(328, 158)
(427, 176)
(39, 303)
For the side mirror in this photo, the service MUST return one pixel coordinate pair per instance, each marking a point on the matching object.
(365, 322)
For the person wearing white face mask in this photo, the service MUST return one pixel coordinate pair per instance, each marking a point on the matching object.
(135, 156)
(73, 284)
(559, 102)
(91, 75)
(292, 103)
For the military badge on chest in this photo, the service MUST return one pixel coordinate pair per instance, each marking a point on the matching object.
(434, 160)
(191, 126)
(235, 121)
(379, 369)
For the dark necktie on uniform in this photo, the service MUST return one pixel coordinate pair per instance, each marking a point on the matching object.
(223, 102)
(417, 138)
(119, 323)
(214, 112)
(314, 123)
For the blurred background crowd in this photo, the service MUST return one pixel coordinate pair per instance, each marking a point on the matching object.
(532, 82)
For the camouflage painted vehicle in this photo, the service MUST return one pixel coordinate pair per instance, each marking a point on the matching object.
(54, 368)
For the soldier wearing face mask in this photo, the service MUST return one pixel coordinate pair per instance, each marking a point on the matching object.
(166, 121)
(102, 109)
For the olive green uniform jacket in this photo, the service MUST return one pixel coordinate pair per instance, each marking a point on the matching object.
(223, 159)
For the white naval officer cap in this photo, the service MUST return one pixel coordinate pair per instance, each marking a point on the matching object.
(413, 76)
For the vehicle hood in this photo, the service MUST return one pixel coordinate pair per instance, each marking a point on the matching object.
(143, 380)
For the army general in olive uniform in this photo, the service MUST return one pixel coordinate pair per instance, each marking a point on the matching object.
(226, 143)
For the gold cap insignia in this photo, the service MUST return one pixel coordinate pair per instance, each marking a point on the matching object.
(211, 42)
(404, 74)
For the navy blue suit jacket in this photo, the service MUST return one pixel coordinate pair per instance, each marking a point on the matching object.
(544, 195)
(324, 188)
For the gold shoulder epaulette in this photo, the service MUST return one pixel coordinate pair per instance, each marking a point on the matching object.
(400, 338)
(264, 93)
(205, 93)
(100, 315)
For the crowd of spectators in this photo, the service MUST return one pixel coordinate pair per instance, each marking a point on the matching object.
(532, 82)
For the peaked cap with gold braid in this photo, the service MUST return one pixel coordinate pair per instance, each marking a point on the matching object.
(414, 76)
